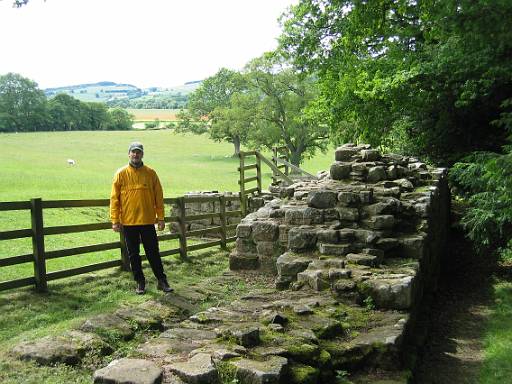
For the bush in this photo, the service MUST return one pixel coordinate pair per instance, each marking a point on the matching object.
(484, 179)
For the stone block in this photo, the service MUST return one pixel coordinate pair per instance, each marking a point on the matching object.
(303, 216)
(269, 371)
(348, 214)
(322, 199)
(264, 230)
(328, 236)
(340, 171)
(387, 243)
(376, 174)
(136, 371)
(380, 222)
(334, 249)
(363, 259)
(316, 279)
(336, 274)
(370, 155)
(345, 234)
(199, 369)
(243, 230)
(267, 248)
(244, 246)
(366, 196)
(344, 153)
(301, 238)
(365, 236)
(394, 291)
(348, 198)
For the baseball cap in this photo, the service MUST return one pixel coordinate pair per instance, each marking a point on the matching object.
(136, 145)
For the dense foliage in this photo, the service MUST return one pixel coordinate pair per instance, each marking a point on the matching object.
(24, 107)
(427, 77)
(485, 180)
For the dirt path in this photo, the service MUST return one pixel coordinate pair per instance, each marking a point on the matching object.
(453, 353)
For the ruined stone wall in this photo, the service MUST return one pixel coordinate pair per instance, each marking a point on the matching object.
(372, 228)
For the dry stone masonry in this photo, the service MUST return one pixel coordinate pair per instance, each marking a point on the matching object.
(372, 229)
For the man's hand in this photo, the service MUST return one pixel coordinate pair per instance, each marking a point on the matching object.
(116, 227)
(161, 225)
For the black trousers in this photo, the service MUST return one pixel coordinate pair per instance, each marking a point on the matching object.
(133, 235)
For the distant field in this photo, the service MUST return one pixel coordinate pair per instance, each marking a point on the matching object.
(153, 114)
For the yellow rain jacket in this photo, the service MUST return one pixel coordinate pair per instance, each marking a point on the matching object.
(137, 196)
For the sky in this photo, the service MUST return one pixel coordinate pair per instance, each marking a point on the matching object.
(162, 43)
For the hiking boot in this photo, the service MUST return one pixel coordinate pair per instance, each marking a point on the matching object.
(141, 288)
(163, 285)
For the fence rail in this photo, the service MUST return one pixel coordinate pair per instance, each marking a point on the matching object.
(38, 232)
(279, 171)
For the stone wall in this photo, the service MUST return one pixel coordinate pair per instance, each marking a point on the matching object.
(372, 228)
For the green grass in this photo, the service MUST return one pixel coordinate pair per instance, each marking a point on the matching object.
(35, 165)
(497, 368)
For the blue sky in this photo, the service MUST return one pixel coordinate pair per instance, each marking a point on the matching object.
(142, 42)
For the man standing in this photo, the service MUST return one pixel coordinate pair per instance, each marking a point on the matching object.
(136, 204)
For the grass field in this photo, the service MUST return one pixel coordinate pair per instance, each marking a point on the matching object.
(153, 114)
(35, 165)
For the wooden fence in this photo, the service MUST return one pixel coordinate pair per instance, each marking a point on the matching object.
(38, 232)
(251, 161)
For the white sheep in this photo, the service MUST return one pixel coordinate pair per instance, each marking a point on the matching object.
(71, 162)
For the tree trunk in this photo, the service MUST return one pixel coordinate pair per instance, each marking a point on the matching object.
(295, 158)
(236, 143)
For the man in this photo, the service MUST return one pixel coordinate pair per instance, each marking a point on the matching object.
(136, 204)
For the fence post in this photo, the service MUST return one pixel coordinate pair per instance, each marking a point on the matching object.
(243, 200)
(274, 160)
(258, 171)
(182, 227)
(223, 231)
(36, 212)
(125, 261)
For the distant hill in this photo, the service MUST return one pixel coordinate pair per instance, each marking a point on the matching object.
(119, 94)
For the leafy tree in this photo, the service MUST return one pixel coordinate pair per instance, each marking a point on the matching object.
(22, 104)
(119, 119)
(485, 180)
(424, 76)
(282, 111)
(64, 112)
(207, 109)
(94, 116)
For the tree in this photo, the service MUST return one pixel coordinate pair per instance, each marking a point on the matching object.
(119, 119)
(207, 109)
(428, 77)
(283, 113)
(22, 104)
(94, 116)
(64, 111)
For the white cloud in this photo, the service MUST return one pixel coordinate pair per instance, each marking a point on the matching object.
(143, 42)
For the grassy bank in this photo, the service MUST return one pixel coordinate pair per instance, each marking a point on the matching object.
(497, 368)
